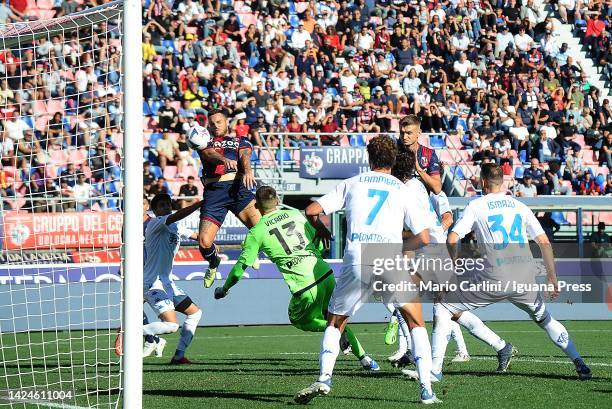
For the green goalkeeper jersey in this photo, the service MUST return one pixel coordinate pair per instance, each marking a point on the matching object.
(287, 238)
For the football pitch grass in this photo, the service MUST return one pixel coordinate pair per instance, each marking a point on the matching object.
(263, 367)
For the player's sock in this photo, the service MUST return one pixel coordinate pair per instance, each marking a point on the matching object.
(405, 340)
(559, 336)
(356, 347)
(330, 347)
(187, 332)
(210, 254)
(457, 335)
(477, 328)
(440, 336)
(151, 339)
(160, 327)
(422, 355)
(391, 308)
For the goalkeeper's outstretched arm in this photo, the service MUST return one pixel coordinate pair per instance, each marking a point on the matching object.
(247, 257)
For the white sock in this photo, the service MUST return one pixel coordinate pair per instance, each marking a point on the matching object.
(440, 336)
(159, 327)
(457, 335)
(477, 328)
(422, 355)
(403, 332)
(330, 347)
(559, 336)
(390, 307)
(187, 333)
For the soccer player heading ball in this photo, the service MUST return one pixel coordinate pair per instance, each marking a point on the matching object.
(228, 180)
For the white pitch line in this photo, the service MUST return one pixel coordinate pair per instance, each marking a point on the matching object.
(46, 403)
(541, 361)
(482, 358)
(362, 334)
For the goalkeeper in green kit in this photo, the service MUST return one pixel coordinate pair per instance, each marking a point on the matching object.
(288, 239)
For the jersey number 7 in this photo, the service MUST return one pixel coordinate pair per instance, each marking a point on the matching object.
(289, 229)
(382, 196)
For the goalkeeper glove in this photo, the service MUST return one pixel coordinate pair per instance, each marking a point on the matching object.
(220, 293)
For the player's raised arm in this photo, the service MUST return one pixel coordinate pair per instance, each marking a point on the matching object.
(247, 257)
(313, 213)
(182, 213)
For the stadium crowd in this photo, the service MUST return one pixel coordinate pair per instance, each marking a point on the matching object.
(489, 74)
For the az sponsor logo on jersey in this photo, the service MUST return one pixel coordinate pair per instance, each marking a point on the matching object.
(226, 143)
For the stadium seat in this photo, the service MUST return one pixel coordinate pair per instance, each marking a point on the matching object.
(155, 105)
(588, 157)
(457, 172)
(436, 141)
(170, 172)
(294, 20)
(254, 157)
(453, 141)
(559, 217)
(154, 138)
(54, 106)
(301, 6)
(146, 109)
(45, 4)
(77, 156)
(190, 171)
(446, 157)
(295, 155)
(519, 171)
(156, 171)
(357, 140)
(424, 140)
(285, 157)
(266, 158)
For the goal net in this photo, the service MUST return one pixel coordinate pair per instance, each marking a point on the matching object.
(61, 177)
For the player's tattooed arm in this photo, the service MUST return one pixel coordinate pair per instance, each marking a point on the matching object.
(248, 177)
(213, 157)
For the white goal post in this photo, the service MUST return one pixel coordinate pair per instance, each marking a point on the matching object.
(71, 259)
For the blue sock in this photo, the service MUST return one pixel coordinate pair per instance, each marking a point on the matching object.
(149, 338)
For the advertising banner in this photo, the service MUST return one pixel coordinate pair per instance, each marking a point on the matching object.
(332, 162)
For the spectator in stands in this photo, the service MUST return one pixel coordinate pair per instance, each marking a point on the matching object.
(588, 186)
(535, 173)
(160, 186)
(148, 177)
(167, 150)
(567, 136)
(605, 152)
(600, 241)
(547, 148)
(526, 188)
(84, 193)
(549, 225)
(190, 190)
(7, 15)
(68, 204)
(68, 175)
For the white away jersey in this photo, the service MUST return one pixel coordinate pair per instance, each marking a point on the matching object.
(378, 206)
(440, 203)
(421, 198)
(498, 219)
(162, 242)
